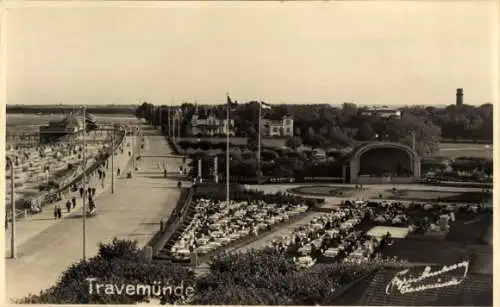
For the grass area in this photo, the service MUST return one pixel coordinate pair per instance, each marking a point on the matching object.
(328, 191)
(430, 195)
(408, 195)
(236, 140)
(454, 150)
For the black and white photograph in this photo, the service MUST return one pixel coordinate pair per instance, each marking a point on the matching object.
(249, 152)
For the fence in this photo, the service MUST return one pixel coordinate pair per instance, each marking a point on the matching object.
(174, 221)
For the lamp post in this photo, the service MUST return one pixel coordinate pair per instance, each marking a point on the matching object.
(13, 210)
(134, 133)
(84, 215)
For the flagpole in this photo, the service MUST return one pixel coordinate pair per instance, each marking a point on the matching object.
(227, 151)
(86, 192)
(170, 121)
(258, 148)
(179, 123)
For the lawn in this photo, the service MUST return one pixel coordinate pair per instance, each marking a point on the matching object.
(272, 142)
(453, 150)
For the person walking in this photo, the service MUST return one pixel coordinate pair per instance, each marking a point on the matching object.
(82, 190)
(73, 200)
(118, 172)
(68, 206)
(55, 212)
(59, 212)
(165, 173)
(93, 191)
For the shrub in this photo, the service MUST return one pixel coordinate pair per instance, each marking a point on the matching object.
(111, 268)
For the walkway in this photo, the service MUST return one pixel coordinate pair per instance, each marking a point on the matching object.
(29, 227)
(133, 212)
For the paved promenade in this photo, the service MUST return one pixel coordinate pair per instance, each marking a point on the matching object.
(133, 212)
(29, 227)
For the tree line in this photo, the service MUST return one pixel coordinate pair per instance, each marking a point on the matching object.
(327, 126)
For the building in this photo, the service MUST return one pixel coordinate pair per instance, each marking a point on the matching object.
(382, 162)
(460, 97)
(384, 112)
(210, 125)
(281, 127)
(71, 125)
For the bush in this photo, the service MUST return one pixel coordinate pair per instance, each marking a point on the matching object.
(112, 268)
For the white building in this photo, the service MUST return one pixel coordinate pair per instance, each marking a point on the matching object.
(283, 127)
(209, 125)
(382, 112)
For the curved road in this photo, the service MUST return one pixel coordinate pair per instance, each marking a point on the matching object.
(133, 212)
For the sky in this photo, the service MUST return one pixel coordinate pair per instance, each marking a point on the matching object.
(369, 53)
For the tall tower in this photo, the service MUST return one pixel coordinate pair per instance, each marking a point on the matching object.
(460, 95)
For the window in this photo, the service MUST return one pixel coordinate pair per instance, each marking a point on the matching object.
(275, 129)
(287, 122)
(288, 130)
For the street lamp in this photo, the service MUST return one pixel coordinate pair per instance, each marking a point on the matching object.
(13, 210)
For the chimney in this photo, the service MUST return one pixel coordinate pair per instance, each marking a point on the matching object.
(460, 95)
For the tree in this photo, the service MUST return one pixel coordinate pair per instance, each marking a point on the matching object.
(293, 142)
(366, 133)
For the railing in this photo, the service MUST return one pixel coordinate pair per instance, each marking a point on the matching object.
(173, 222)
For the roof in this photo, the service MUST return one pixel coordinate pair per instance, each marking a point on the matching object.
(475, 289)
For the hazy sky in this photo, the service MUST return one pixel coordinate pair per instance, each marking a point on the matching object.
(320, 52)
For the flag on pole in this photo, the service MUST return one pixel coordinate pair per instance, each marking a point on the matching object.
(230, 104)
(265, 106)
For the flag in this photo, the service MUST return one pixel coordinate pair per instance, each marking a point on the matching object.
(230, 104)
(265, 106)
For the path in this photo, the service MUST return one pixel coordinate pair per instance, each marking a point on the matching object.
(133, 212)
(285, 230)
(29, 227)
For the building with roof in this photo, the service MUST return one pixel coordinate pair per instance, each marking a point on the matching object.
(384, 112)
(71, 124)
(210, 125)
(282, 127)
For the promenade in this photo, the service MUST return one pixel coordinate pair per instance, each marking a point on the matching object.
(47, 247)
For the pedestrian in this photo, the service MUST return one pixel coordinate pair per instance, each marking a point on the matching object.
(81, 191)
(165, 173)
(59, 212)
(68, 206)
(118, 172)
(55, 212)
(93, 191)
(73, 200)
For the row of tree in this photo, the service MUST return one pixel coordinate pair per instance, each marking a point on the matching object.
(301, 165)
(328, 126)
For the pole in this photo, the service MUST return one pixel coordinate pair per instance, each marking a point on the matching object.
(258, 148)
(227, 152)
(85, 186)
(169, 122)
(161, 126)
(113, 163)
(413, 142)
(13, 210)
(179, 123)
(133, 148)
